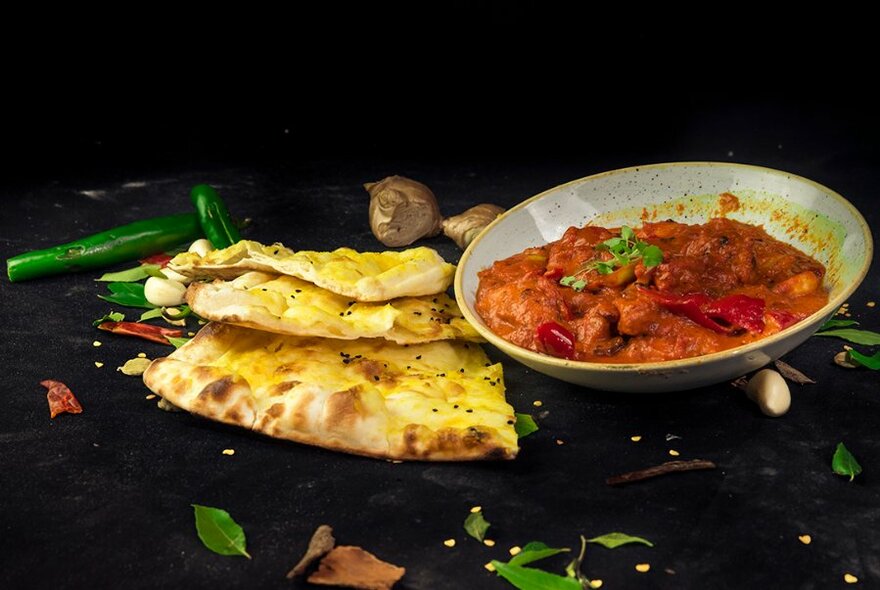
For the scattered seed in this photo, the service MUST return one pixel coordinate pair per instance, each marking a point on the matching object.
(99, 364)
(643, 567)
(228, 451)
(516, 549)
(190, 334)
(491, 567)
(151, 396)
(397, 461)
(449, 542)
(674, 453)
(670, 437)
(537, 403)
(871, 304)
(476, 509)
(488, 542)
(559, 442)
(636, 438)
(202, 322)
(597, 583)
(96, 343)
(805, 539)
(849, 578)
(142, 355)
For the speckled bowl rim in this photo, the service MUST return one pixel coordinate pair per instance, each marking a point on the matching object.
(663, 366)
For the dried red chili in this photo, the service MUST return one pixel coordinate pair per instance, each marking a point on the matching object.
(161, 259)
(145, 331)
(60, 398)
(556, 340)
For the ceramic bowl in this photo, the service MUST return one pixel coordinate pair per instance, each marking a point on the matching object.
(792, 209)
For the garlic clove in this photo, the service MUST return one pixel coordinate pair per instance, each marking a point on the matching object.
(201, 247)
(768, 389)
(164, 292)
(176, 276)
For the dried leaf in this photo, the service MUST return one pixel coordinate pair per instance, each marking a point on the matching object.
(353, 567)
(321, 543)
(135, 366)
(60, 398)
(662, 469)
(792, 374)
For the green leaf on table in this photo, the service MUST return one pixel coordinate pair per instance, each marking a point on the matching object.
(614, 540)
(534, 551)
(219, 532)
(869, 362)
(831, 324)
(843, 462)
(150, 314)
(177, 342)
(476, 526)
(527, 578)
(113, 316)
(128, 295)
(865, 337)
(131, 275)
(525, 425)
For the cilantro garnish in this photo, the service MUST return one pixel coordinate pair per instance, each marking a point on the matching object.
(625, 249)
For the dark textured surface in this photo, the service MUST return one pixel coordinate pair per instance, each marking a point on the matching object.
(102, 499)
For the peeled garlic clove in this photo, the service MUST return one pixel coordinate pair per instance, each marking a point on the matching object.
(164, 292)
(201, 247)
(769, 390)
(464, 227)
(402, 211)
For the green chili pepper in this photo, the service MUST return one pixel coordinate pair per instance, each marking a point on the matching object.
(120, 244)
(214, 217)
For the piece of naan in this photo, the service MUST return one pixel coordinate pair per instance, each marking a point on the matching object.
(363, 276)
(287, 305)
(440, 401)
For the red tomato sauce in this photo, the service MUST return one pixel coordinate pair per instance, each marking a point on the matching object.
(720, 285)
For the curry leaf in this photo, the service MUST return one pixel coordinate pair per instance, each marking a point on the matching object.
(525, 425)
(613, 540)
(476, 526)
(177, 342)
(128, 295)
(527, 578)
(131, 275)
(150, 314)
(219, 532)
(837, 324)
(534, 551)
(870, 362)
(843, 463)
(113, 316)
(851, 335)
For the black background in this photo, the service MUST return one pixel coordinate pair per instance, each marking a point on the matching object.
(486, 102)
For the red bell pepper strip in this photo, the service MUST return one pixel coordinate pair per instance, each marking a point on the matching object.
(785, 318)
(146, 331)
(61, 399)
(736, 311)
(556, 340)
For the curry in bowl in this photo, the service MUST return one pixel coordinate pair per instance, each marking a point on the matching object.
(659, 292)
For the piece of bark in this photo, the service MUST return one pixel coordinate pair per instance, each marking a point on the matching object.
(353, 567)
(792, 374)
(320, 544)
(662, 469)
(740, 382)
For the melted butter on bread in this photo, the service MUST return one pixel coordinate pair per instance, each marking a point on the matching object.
(363, 276)
(287, 305)
(434, 401)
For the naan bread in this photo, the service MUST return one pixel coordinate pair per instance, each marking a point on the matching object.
(287, 305)
(363, 276)
(441, 401)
